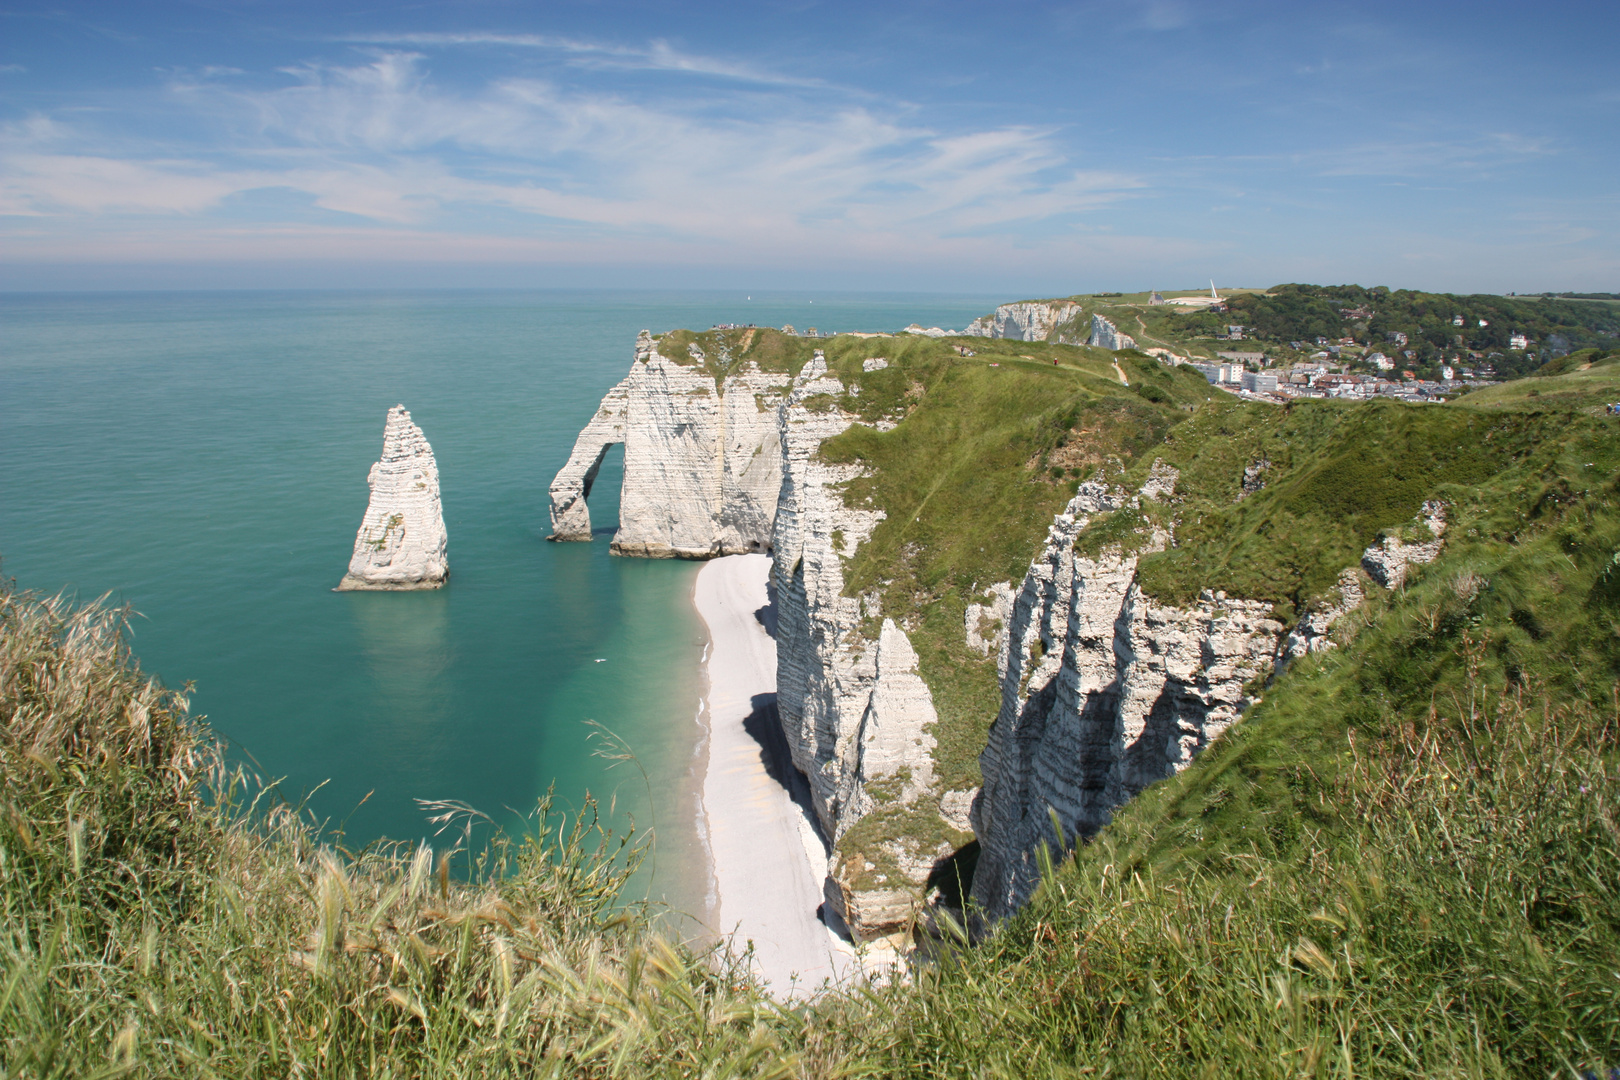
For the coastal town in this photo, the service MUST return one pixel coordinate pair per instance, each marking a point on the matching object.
(1245, 375)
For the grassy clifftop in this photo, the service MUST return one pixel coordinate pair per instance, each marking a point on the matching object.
(1405, 861)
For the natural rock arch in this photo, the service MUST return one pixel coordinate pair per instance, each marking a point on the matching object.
(570, 516)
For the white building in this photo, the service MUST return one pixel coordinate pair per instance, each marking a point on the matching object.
(1259, 382)
(1518, 341)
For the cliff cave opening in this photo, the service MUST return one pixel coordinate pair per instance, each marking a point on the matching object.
(602, 487)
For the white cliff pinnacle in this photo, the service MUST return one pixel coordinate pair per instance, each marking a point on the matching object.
(401, 542)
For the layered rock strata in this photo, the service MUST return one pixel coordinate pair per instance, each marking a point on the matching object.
(1106, 335)
(1029, 320)
(719, 467)
(702, 460)
(1105, 690)
(401, 542)
(855, 712)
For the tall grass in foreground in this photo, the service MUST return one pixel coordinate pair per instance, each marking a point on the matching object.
(1455, 913)
(152, 924)
(1442, 899)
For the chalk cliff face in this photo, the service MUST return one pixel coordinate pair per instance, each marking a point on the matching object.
(854, 711)
(1106, 335)
(401, 542)
(702, 463)
(1105, 690)
(1030, 320)
(716, 467)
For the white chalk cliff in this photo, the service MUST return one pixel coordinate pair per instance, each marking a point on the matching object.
(702, 464)
(401, 542)
(854, 710)
(1106, 335)
(1029, 320)
(715, 467)
(1105, 690)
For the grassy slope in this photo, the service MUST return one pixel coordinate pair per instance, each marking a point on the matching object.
(1438, 895)
(969, 482)
(1587, 380)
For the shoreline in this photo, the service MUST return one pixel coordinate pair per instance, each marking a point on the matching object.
(767, 859)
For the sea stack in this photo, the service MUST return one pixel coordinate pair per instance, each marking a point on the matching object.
(401, 542)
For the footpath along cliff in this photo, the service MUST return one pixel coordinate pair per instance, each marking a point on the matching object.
(930, 697)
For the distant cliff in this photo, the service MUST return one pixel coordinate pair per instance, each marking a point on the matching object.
(1031, 320)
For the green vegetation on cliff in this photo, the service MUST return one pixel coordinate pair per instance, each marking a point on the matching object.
(1405, 861)
(989, 449)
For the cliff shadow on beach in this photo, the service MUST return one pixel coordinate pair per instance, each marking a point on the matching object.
(765, 728)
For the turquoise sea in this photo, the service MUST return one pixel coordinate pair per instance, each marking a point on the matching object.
(202, 457)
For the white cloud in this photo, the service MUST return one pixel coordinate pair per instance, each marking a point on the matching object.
(540, 163)
(656, 56)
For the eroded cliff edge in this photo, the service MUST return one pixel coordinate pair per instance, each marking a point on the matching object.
(915, 485)
(702, 462)
(722, 457)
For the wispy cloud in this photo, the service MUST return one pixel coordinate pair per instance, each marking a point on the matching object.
(654, 56)
(530, 159)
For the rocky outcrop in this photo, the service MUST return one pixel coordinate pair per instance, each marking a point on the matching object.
(702, 461)
(1312, 633)
(1029, 320)
(1105, 335)
(1104, 691)
(570, 515)
(1386, 561)
(401, 542)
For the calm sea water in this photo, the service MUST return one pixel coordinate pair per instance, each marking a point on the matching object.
(203, 457)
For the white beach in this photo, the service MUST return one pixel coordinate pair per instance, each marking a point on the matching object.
(769, 862)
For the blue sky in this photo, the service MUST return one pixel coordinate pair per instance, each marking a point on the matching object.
(1028, 149)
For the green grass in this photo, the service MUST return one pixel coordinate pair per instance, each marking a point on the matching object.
(727, 351)
(1587, 380)
(1404, 861)
(1339, 475)
(970, 481)
(155, 925)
